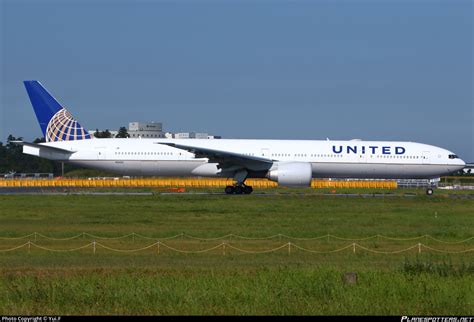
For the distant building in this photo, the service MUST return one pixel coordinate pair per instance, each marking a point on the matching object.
(155, 130)
(183, 135)
(199, 135)
(191, 135)
(145, 130)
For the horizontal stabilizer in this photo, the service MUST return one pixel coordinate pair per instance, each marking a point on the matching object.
(45, 151)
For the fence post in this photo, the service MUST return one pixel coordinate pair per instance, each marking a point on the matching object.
(419, 248)
(289, 248)
(29, 246)
(93, 245)
(354, 248)
(223, 249)
(158, 244)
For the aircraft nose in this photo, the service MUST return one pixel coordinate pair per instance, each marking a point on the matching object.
(461, 164)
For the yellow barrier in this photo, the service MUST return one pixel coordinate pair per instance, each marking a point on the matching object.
(185, 183)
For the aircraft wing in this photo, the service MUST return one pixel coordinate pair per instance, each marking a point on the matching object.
(226, 159)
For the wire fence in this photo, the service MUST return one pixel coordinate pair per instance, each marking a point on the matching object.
(225, 246)
(133, 235)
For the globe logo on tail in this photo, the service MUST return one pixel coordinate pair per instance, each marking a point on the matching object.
(63, 127)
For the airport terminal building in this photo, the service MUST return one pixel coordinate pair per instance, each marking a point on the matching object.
(146, 130)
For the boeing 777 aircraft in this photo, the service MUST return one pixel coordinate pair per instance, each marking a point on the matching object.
(289, 162)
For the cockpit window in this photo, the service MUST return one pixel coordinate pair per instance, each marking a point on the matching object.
(453, 156)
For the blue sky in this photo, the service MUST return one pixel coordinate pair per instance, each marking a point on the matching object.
(374, 70)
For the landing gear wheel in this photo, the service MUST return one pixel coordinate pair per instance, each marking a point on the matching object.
(429, 191)
(229, 190)
(239, 190)
(248, 190)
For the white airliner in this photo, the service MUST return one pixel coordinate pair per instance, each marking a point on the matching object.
(289, 162)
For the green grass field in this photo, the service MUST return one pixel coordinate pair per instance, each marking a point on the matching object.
(147, 282)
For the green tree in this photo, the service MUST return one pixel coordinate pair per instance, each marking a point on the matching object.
(3, 157)
(12, 159)
(107, 134)
(39, 140)
(122, 133)
(102, 134)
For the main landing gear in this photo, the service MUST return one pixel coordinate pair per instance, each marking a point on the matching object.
(238, 190)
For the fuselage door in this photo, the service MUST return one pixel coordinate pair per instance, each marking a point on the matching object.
(425, 157)
(180, 154)
(266, 153)
(100, 153)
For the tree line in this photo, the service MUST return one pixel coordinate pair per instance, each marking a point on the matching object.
(12, 159)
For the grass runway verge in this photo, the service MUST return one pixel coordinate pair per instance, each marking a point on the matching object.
(300, 283)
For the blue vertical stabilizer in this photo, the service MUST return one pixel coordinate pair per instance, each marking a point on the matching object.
(55, 121)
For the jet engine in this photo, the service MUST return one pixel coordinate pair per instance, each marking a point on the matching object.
(291, 174)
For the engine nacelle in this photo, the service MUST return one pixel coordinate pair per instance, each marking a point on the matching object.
(291, 174)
